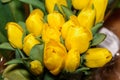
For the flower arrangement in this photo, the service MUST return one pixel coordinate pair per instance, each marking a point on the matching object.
(58, 39)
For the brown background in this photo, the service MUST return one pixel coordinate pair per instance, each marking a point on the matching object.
(112, 70)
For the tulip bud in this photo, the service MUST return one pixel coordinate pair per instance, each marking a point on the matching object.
(78, 38)
(29, 42)
(97, 57)
(15, 34)
(72, 60)
(86, 17)
(55, 20)
(50, 33)
(50, 4)
(100, 7)
(36, 67)
(34, 22)
(80, 4)
(54, 54)
(73, 21)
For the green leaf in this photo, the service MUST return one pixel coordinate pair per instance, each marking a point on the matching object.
(56, 8)
(6, 46)
(36, 3)
(48, 76)
(98, 38)
(2, 37)
(5, 1)
(62, 40)
(23, 25)
(20, 53)
(45, 19)
(82, 60)
(1, 78)
(82, 69)
(31, 8)
(96, 28)
(17, 55)
(14, 61)
(16, 72)
(69, 3)
(5, 16)
(36, 53)
(39, 39)
(67, 11)
(17, 10)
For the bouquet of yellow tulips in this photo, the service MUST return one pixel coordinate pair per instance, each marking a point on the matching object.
(59, 39)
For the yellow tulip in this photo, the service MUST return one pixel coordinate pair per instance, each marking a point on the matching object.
(50, 33)
(36, 67)
(97, 57)
(15, 34)
(86, 17)
(50, 4)
(54, 54)
(34, 22)
(78, 38)
(29, 42)
(65, 28)
(100, 7)
(80, 4)
(73, 21)
(55, 20)
(72, 60)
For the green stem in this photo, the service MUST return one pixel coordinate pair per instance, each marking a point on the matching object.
(22, 55)
(31, 8)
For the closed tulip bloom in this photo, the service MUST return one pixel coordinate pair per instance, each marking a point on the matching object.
(29, 42)
(36, 67)
(34, 22)
(50, 33)
(73, 21)
(55, 20)
(15, 34)
(97, 57)
(86, 17)
(54, 54)
(50, 4)
(80, 4)
(72, 60)
(65, 28)
(100, 7)
(78, 38)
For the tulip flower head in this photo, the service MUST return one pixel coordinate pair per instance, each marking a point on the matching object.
(34, 22)
(50, 33)
(54, 54)
(73, 21)
(72, 60)
(78, 38)
(36, 67)
(100, 7)
(89, 15)
(50, 4)
(80, 4)
(28, 43)
(97, 57)
(15, 34)
(55, 20)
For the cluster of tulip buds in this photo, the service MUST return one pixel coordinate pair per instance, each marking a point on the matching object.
(59, 40)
